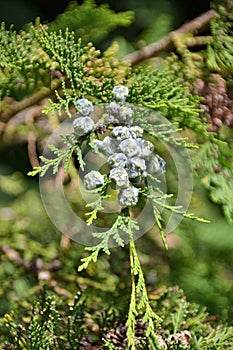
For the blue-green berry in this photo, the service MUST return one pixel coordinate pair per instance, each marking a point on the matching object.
(136, 131)
(139, 163)
(83, 125)
(120, 92)
(146, 147)
(125, 114)
(121, 132)
(136, 167)
(85, 107)
(156, 165)
(120, 176)
(93, 179)
(128, 197)
(107, 146)
(117, 160)
(110, 119)
(133, 171)
(129, 147)
(113, 108)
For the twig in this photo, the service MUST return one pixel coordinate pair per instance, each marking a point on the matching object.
(166, 43)
(30, 116)
(16, 107)
(32, 154)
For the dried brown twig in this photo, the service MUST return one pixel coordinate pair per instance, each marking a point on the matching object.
(166, 43)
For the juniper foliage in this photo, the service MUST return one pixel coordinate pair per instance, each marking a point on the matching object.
(24, 64)
(214, 164)
(192, 66)
(51, 324)
(92, 28)
(165, 93)
(72, 59)
(219, 50)
(123, 223)
(66, 69)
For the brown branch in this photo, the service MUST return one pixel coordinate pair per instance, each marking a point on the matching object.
(16, 107)
(166, 43)
(32, 154)
(30, 116)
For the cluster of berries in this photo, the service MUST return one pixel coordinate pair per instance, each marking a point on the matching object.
(129, 155)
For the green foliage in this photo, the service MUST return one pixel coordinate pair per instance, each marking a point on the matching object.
(84, 71)
(220, 52)
(38, 58)
(72, 60)
(59, 322)
(89, 21)
(121, 223)
(60, 157)
(159, 201)
(181, 315)
(24, 65)
(213, 160)
(139, 302)
(48, 327)
(161, 91)
(221, 192)
(214, 53)
(169, 133)
(44, 325)
(214, 164)
(52, 59)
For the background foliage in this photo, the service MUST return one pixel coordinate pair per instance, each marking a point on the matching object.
(191, 86)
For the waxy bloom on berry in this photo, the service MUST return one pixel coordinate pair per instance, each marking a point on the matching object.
(85, 107)
(93, 179)
(120, 92)
(83, 125)
(120, 176)
(128, 196)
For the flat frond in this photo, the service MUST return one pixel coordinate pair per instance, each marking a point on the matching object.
(90, 28)
(165, 94)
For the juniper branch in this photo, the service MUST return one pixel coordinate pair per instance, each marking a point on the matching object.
(32, 100)
(121, 223)
(166, 43)
(139, 290)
